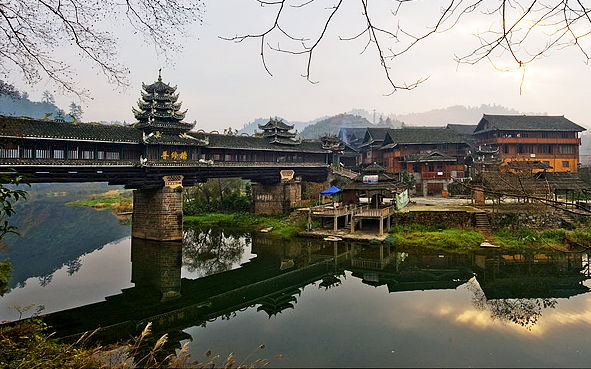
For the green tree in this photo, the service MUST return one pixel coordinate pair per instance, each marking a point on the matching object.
(409, 180)
(76, 111)
(8, 196)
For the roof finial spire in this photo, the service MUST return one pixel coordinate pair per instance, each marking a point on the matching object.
(160, 75)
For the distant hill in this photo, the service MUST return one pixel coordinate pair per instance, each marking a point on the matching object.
(24, 107)
(361, 118)
(332, 125)
(18, 104)
(585, 148)
(252, 126)
(453, 114)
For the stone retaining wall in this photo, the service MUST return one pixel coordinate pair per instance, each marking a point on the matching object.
(538, 221)
(457, 219)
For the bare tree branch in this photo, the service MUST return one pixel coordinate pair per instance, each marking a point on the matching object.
(521, 30)
(33, 32)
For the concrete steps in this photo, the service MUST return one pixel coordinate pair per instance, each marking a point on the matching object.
(483, 225)
(344, 172)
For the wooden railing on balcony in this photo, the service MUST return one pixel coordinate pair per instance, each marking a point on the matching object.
(376, 213)
(331, 211)
(529, 140)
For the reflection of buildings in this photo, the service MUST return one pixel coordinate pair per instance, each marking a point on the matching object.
(401, 271)
(503, 276)
(271, 280)
(517, 288)
(274, 279)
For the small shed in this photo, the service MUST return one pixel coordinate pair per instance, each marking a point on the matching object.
(373, 187)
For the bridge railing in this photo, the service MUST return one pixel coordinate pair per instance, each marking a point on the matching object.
(151, 163)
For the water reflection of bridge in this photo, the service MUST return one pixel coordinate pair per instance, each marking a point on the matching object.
(273, 280)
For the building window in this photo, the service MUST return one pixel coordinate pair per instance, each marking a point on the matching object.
(112, 155)
(544, 134)
(506, 149)
(525, 149)
(565, 164)
(544, 149)
(565, 149)
(524, 135)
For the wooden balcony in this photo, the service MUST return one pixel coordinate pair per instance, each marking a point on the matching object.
(529, 140)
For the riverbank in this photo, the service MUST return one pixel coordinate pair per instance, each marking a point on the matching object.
(280, 225)
(432, 226)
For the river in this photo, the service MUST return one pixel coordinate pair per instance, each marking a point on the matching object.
(228, 291)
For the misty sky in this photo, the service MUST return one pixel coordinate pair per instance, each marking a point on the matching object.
(224, 84)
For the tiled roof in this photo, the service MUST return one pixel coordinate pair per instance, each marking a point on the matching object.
(433, 156)
(255, 143)
(374, 136)
(463, 129)
(47, 129)
(172, 139)
(421, 136)
(526, 123)
(565, 181)
(276, 123)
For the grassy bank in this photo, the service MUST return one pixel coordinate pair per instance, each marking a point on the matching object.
(118, 201)
(451, 239)
(439, 238)
(249, 222)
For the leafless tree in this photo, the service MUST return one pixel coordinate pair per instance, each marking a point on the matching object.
(519, 30)
(33, 34)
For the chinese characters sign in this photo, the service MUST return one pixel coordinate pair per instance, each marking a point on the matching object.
(174, 155)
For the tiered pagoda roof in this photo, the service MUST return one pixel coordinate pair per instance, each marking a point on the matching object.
(332, 142)
(276, 131)
(159, 110)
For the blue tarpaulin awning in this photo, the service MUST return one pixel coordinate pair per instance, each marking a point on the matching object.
(330, 191)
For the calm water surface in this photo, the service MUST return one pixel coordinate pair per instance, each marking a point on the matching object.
(372, 308)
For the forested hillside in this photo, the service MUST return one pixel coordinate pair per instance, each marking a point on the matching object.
(22, 106)
(332, 125)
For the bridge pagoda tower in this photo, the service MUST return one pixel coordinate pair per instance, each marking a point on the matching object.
(159, 110)
(158, 214)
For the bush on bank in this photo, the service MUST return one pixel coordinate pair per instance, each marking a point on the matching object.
(247, 221)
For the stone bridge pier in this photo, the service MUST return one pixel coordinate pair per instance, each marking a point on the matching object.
(158, 214)
(277, 198)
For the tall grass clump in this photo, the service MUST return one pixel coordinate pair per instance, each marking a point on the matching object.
(27, 345)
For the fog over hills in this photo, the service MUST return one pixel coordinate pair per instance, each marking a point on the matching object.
(458, 114)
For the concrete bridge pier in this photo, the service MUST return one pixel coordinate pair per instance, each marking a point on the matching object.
(158, 214)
